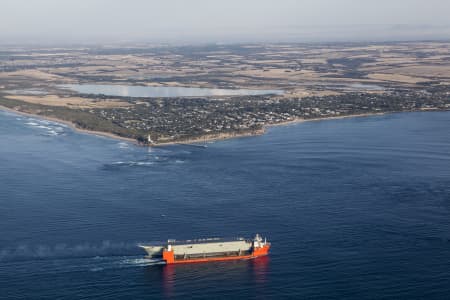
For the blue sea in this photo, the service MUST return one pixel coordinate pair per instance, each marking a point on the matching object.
(355, 208)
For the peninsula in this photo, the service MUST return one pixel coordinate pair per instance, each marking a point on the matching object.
(156, 94)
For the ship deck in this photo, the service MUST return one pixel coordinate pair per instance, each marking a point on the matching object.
(206, 241)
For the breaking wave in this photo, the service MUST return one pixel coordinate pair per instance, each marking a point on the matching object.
(48, 128)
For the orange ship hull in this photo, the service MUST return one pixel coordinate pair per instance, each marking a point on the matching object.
(169, 257)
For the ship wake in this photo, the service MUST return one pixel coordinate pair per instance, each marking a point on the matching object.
(65, 251)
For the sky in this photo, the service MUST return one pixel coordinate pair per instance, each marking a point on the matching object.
(200, 21)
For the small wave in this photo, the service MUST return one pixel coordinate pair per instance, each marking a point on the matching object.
(96, 269)
(133, 163)
(157, 157)
(144, 163)
(121, 164)
(123, 145)
(52, 132)
(149, 162)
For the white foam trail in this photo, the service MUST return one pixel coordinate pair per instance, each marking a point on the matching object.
(108, 263)
(143, 262)
(105, 248)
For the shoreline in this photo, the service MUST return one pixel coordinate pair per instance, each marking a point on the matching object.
(212, 138)
(299, 120)
(70, 124)
(202, 139)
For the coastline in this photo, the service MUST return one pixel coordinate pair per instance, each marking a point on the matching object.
(224, 136)
(70, 124)
(202, 139)
(212, 138)
(205, 138)
(299, 120)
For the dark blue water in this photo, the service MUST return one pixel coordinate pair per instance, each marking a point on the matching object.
(355, 209)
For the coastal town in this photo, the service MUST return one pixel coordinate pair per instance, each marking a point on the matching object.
(168, 120)
(156, 121)
(303, 82)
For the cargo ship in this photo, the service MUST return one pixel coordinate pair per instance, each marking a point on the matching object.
(210, 249)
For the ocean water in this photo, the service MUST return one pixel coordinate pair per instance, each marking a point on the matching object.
(355, 209)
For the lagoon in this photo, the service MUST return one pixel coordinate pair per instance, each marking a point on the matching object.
(162, 91)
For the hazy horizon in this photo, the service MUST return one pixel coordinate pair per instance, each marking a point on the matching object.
(203, 21)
